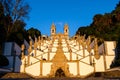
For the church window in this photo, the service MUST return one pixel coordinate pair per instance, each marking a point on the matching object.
(66, 30)
(52, 31)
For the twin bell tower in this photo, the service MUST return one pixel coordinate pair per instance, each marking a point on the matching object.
(55, 35)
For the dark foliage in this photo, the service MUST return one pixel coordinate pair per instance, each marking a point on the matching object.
(33, 33)
(3, 61)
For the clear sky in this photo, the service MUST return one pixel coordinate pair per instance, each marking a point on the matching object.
(75, 13)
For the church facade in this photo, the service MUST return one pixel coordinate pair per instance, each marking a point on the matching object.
(61, 56)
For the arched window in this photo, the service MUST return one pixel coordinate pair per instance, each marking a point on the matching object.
(59, 73)
(66, 30)
(52, 31)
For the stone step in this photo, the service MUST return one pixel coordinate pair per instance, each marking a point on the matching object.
(14, 75)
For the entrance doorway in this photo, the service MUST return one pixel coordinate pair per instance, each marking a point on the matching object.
(59, 73)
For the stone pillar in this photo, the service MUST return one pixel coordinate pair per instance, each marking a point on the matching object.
(22, 51)
(29, 51)
(77, 57)
(94, 65)
(41, 67)
(49, 54)
(39, 43)
(79, 46)
(35, 51)
(88, 41)
(83, 48)
(76, 41)
(96, 54)
(78, 69)
(90, 56)
(70, 54)
(104, 58)
(24, 65)
(35, 47)
(80, 42)
(42, 41)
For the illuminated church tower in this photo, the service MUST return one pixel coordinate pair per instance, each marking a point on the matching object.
(53, 30)
(66, 31)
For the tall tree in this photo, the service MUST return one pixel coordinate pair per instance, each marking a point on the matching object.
(17, 9)
(15, 12)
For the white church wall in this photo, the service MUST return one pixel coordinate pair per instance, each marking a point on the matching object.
(63, 40)
(76, 47)
(54, 49)
(74, 56)
(56, 40)
(67, 55)
(55, 45)
(45, 44)
(45, 56)
(38, 53)
(39, 57)
(65, 49)
(33, 60)
(80, 52)
(73, 43)
(85, 69)
(99, 64)
(33, 69)
(86, 60)
(46, 68)
(43, 47)
(109, 60)
(48, 41)
(81, 47)
(86, 53)
(73, 68)
(110, 47)
(46, 50)
(74, 50)
(79, 57)
(52, 55)
(64, 45)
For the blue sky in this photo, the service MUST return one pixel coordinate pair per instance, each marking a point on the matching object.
(75, 13)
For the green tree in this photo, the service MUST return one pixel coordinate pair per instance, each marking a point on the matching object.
(33, 32)
(15, 11)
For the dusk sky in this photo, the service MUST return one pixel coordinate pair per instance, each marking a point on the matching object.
(75, 13)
